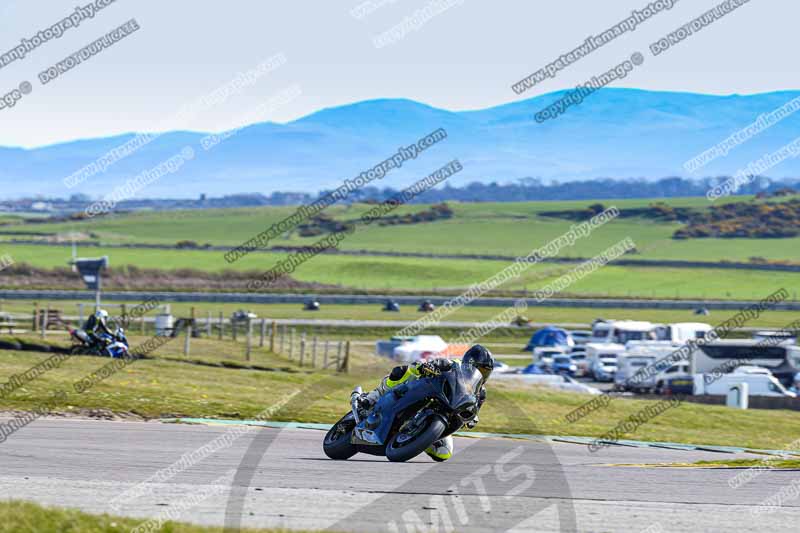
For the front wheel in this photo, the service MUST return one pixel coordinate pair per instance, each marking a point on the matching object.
(337, 443)
(402, 446)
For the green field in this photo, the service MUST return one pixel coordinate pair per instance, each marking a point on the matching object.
(374, 273)
(486, 228)
(508, 229)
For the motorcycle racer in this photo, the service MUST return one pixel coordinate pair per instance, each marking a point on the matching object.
(477, 356)
(97, 326)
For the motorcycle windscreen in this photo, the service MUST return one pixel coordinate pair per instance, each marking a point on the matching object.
(470, 378)
(465, 384)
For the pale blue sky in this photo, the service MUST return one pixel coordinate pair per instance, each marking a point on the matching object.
(465, 58)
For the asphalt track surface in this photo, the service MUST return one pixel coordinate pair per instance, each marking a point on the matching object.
(286, 481)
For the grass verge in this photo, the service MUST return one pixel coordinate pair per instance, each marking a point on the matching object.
(769, 463)
(162, 387)
(24, 517)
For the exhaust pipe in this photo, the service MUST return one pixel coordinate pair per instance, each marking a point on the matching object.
(354, 396)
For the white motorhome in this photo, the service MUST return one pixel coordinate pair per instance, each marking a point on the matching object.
(622, 331)
(680, 332)
(782, 359)
(760, 382)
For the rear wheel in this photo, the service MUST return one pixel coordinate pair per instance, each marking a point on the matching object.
(337, 443)
(404, 446)
(79, 349)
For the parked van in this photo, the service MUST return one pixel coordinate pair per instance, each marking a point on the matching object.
(603, 360)
(676, 375)
(760, 382)
(544, 355)
(580, 336)
(581, 362)
(627, 366)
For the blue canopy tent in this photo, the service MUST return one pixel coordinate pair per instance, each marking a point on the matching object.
(549, 336)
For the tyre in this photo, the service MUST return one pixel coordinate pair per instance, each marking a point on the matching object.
(337, 443)
(79, 349)
(402, 447)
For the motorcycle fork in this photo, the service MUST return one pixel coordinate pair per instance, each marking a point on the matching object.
(414, 424)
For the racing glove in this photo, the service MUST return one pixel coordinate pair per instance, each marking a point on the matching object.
(371, 398)
(427, 370)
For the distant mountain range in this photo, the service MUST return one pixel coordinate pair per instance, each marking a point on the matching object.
(615, 133)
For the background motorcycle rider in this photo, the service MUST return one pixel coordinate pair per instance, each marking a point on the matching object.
(97, 325)
(478, 357)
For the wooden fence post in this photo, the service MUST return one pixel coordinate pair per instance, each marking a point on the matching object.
(273, 331)
(35, 316)
(283, 337)
(314, 353)
(302, 348)
(291, 343)
(221, 325)
(234, 323)
(45, 320)
(187, 341)
(339, 356)
(263, 332)
(346, 365)
(249, 338)
(208, 324)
